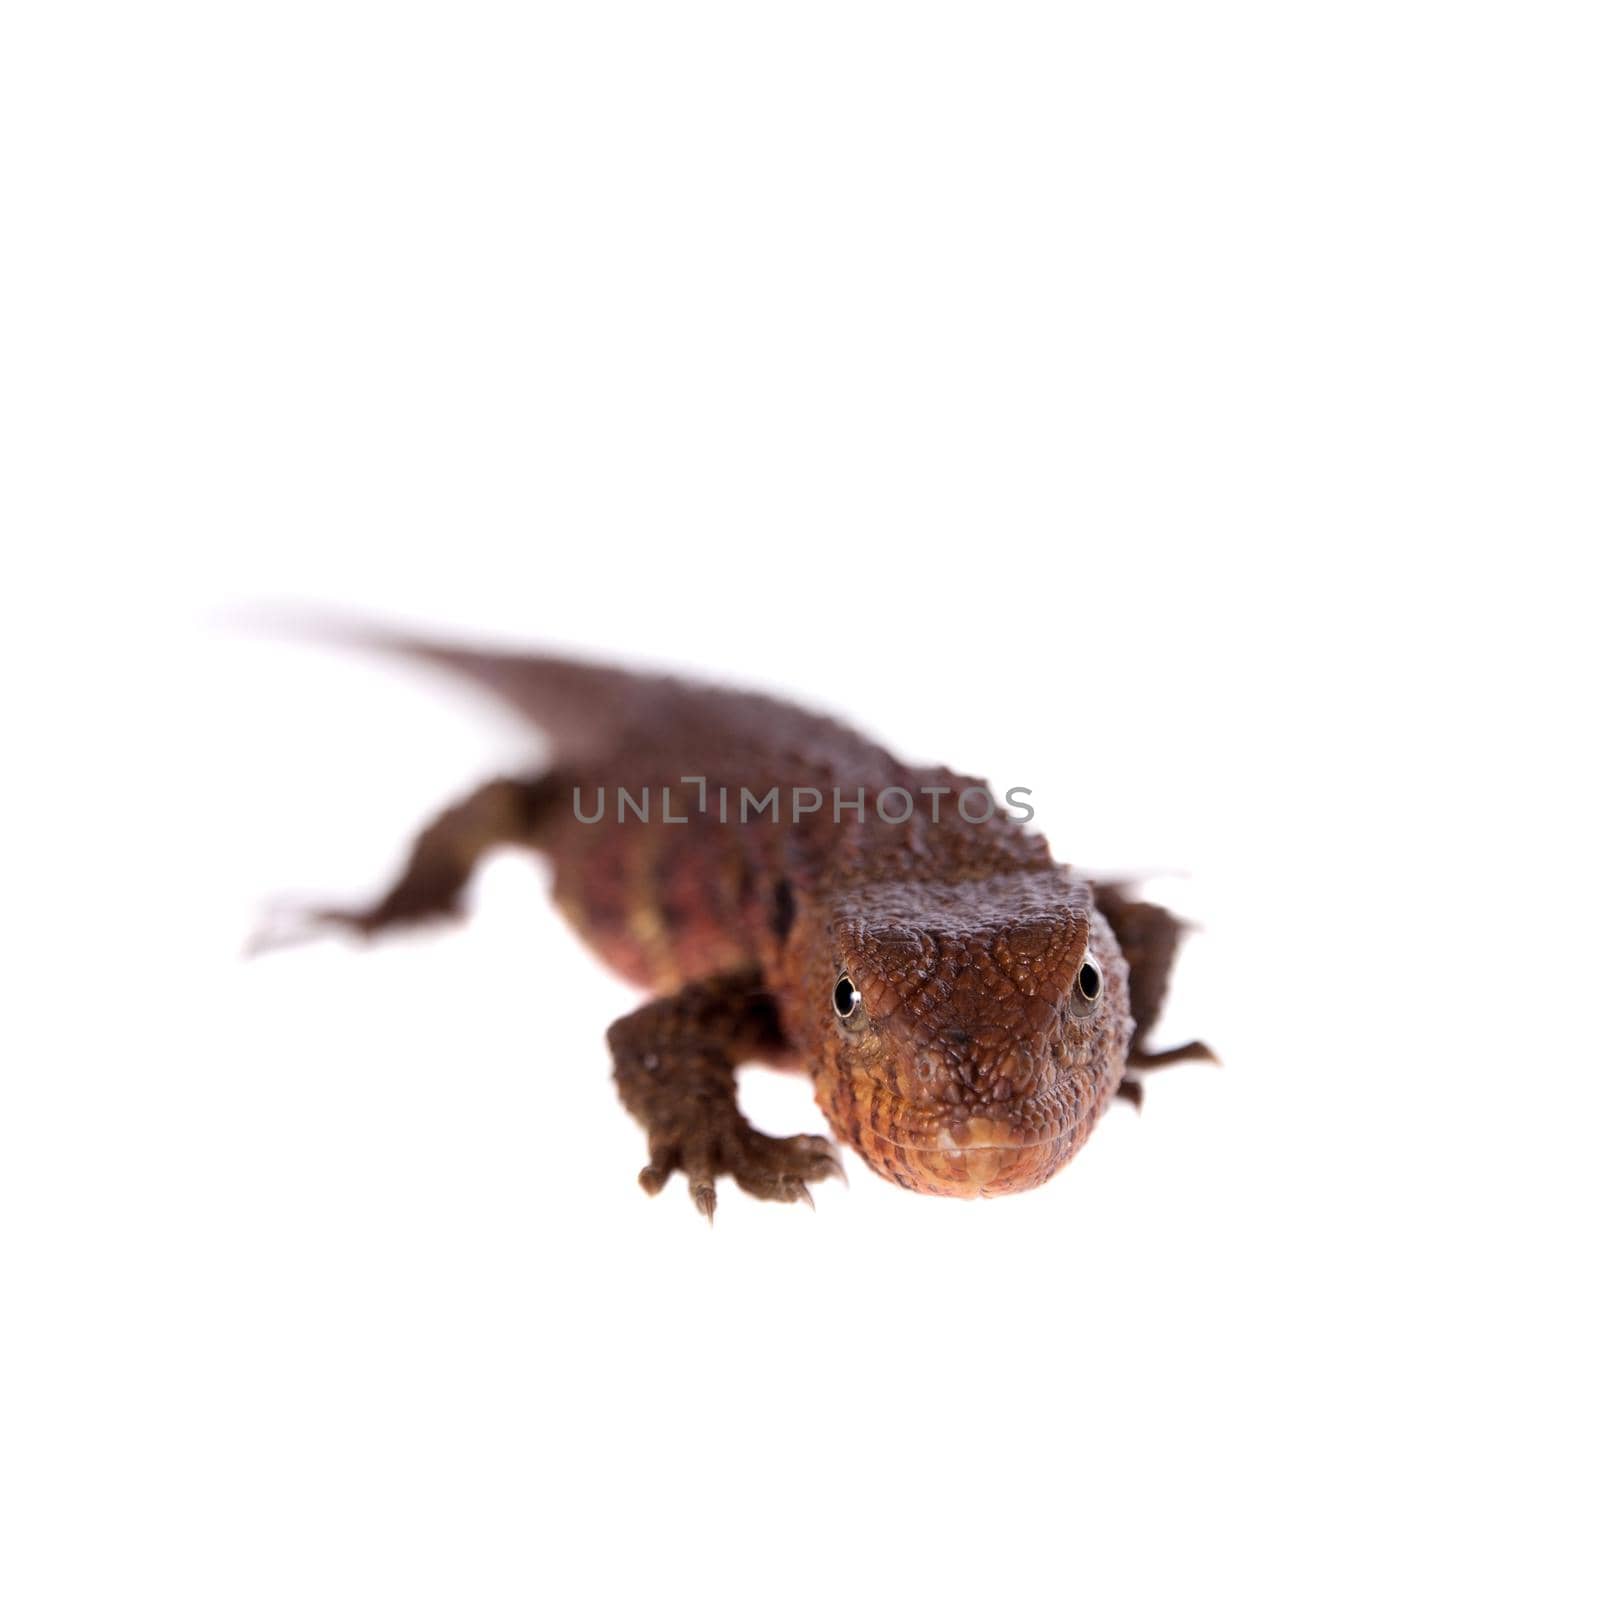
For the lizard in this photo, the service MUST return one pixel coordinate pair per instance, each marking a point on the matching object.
(791, 893)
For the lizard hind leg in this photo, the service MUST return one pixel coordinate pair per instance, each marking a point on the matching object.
(443, 859)
(674, 1061)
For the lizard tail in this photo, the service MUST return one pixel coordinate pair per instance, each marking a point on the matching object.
(579, 706)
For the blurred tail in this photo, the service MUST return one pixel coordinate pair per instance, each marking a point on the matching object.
(578, 705)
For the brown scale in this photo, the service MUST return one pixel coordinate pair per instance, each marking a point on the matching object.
(966, 1008)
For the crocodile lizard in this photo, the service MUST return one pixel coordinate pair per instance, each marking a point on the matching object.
(792, 893)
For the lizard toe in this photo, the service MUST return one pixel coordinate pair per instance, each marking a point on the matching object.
(781, 1169)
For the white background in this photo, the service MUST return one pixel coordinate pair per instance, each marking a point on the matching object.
(1185, 411)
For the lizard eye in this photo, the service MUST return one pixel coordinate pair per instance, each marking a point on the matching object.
(846, 998)
(1087, 989)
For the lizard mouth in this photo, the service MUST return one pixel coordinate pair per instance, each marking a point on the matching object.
(1043, 1118)
(976, 1153)
(952, 1144)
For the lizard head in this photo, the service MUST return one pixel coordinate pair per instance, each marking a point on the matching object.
(969, 1034)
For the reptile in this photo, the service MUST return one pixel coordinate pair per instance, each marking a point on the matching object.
(791, 893)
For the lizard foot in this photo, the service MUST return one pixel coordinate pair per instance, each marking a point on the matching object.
(284, 926)
(768, 1168)
(1144, 1060)
(674, 1061)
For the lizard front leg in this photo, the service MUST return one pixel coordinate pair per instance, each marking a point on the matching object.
(674, 1063)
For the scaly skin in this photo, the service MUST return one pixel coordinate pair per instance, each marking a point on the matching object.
(978, 1055)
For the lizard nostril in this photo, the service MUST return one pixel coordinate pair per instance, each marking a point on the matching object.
(971, 1070)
